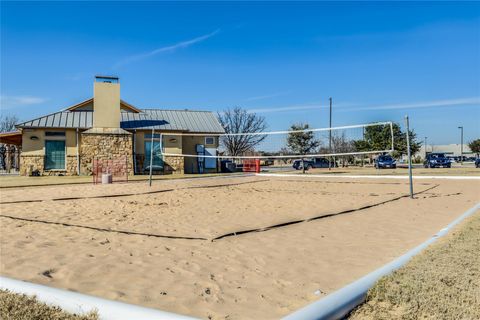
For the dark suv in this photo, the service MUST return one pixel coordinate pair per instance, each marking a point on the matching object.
(434, 160)
(385, 161)
(312, 163)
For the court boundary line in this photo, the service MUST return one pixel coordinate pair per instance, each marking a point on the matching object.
(220, 237)
(279, 175)
(323, 216)
(133, 194)
(342, 301)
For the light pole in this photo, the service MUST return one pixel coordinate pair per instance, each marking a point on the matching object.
(461, 145)
(330, 135)
(425, 147)
(409, 154)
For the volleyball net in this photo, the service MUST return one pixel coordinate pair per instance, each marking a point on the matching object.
(344, 141)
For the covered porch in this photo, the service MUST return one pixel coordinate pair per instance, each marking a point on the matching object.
(10, 149)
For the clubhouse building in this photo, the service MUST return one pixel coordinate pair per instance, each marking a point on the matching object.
(107, 128)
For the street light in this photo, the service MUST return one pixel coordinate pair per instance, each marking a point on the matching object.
(425, 147)
(330, 137)
(461, 145)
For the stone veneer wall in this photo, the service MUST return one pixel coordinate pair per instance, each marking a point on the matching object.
(173, 164)
(30, 163)
(104, 146)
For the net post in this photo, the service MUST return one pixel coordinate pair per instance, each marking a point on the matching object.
(151, 158)
(329, 136)
(409, 157)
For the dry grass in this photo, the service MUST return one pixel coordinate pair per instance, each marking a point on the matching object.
(13, 181)
(22, 307)
(441, 283)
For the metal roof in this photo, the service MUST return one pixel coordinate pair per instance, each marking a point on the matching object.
(175, 120)
(62, 119)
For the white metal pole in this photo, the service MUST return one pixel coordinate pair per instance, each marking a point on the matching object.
(409, 157)
(461, 145)
(78, 152)
(151, 158)
(330, 137)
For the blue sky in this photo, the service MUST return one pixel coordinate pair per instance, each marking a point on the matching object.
(378, 60)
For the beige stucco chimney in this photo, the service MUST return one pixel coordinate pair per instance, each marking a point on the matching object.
(106, 102)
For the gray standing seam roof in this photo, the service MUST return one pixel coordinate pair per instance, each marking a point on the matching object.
(158, 119)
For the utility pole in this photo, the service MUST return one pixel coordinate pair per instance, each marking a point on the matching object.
(461, 145)
(425, 147)
(409, 157)
(330, 135)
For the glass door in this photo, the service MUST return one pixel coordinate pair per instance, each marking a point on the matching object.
(54, 155)
(157, 155)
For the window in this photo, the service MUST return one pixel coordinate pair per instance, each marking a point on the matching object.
(54, 155)
(210, 140)
(149, 136)
(55, 133)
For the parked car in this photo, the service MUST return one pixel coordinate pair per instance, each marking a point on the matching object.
(385, 161)
(312, 163)
(477, 163)
(434, 160)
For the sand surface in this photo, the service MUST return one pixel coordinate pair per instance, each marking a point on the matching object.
(261, 275)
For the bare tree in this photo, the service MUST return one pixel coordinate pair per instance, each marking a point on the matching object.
(7, 123)
(341, 144)
(238, 120)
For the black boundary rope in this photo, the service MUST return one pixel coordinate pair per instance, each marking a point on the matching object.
(231, 234)
(103, 229)
(134, 194)
(323, 216)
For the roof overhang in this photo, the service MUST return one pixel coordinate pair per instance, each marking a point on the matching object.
(123, 104)
(14, 138)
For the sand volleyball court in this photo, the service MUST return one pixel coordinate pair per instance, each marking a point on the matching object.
(234, 248)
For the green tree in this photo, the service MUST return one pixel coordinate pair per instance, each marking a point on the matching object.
(474, 145)
(380, 138)
(300, 140)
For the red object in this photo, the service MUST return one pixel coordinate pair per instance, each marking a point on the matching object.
(251, 165)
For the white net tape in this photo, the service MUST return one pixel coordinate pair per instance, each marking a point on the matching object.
(321, 142)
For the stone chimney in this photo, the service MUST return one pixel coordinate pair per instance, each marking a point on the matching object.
(106, 102)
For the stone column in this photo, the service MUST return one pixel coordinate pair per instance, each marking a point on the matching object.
(106, 144)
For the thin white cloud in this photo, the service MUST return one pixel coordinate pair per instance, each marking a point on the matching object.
(172, 48)
(268, 96)
(10, 102)
(288, 108)
(303, 107)
(425, 104)
(348, 107)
